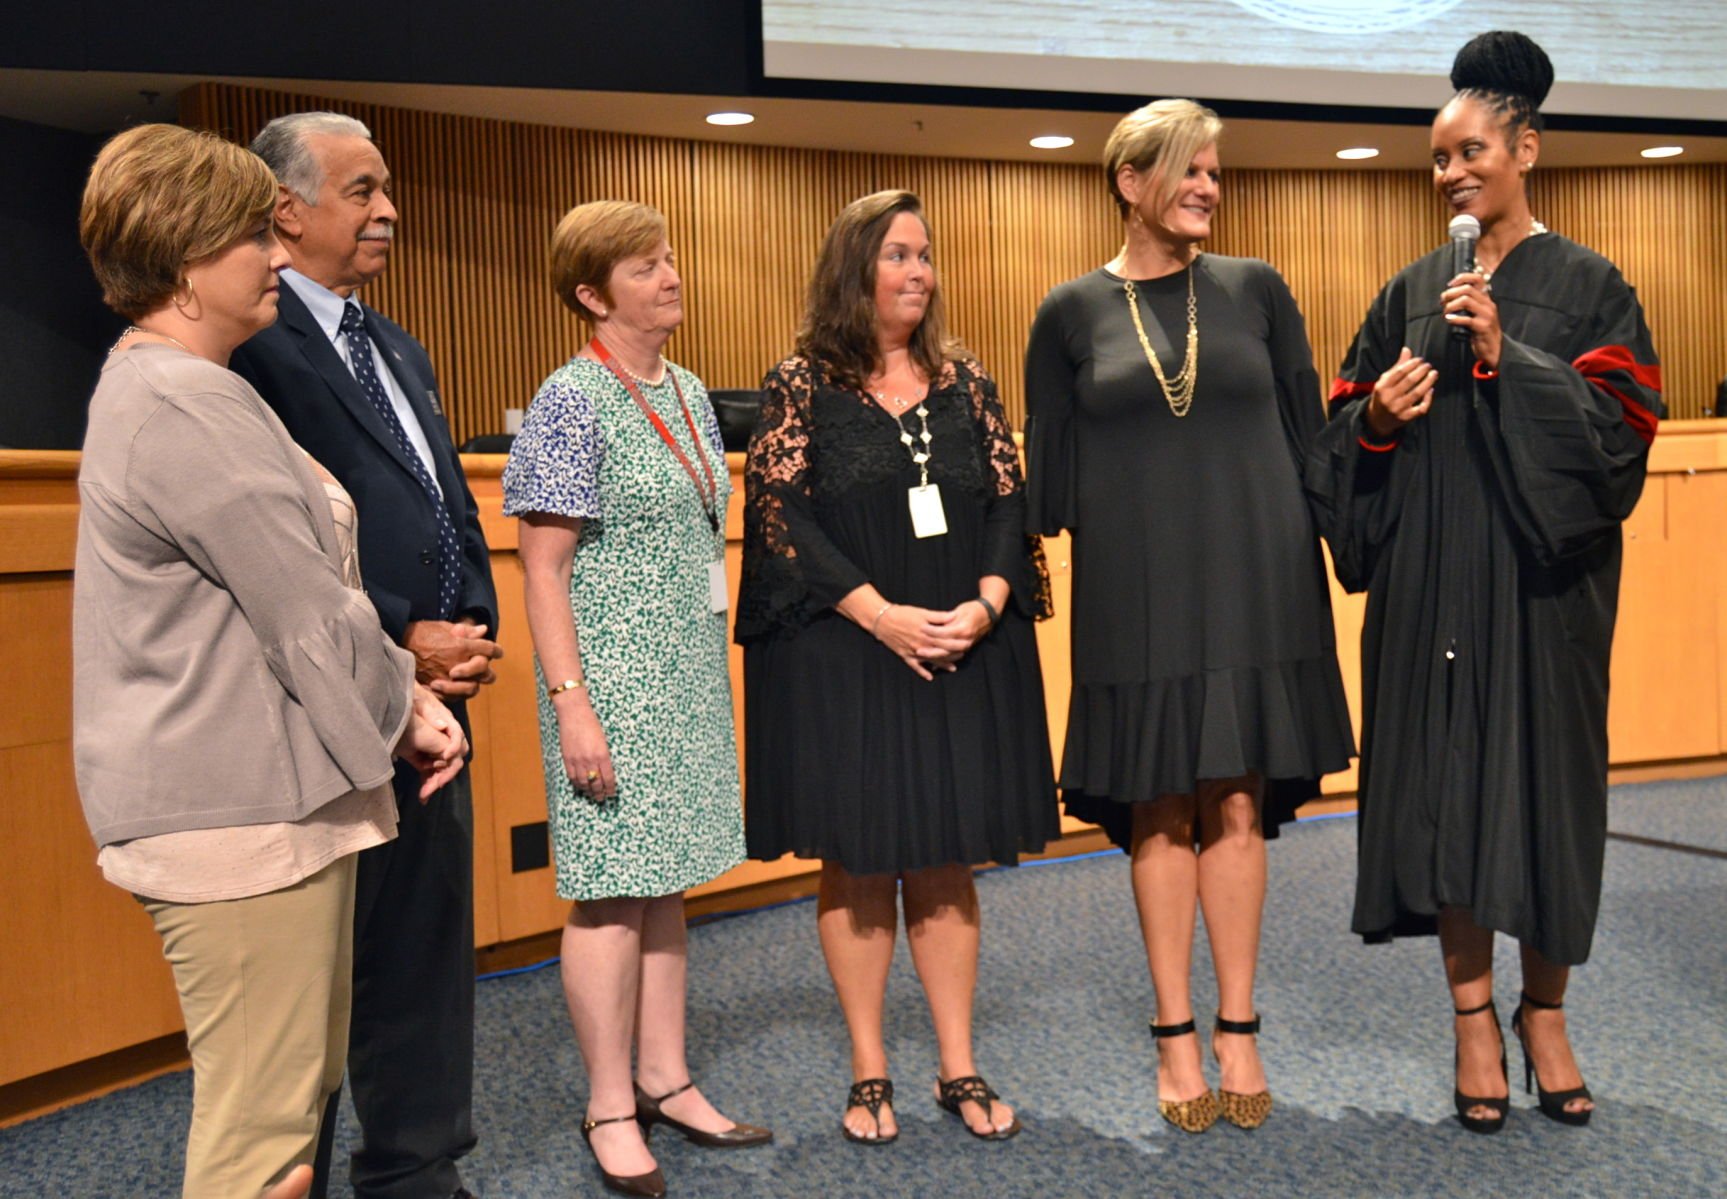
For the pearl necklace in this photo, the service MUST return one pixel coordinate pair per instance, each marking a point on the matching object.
(1534, 228)
(660, 382)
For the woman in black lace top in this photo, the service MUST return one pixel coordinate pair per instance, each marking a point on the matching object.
(895, 716)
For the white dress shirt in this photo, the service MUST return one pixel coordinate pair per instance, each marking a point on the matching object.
(326, 308)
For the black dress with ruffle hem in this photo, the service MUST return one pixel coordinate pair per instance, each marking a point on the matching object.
(1203, 644)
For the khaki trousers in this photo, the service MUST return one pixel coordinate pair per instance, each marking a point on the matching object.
(265, 985)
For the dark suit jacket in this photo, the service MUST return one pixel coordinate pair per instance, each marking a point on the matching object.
(300, 375)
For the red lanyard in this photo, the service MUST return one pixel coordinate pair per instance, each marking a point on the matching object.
(708, 496)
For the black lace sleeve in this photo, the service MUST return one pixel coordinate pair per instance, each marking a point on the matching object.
(1008, 550)
(792, 572)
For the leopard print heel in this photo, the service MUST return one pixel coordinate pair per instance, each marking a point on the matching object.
(1189, 1115)
(1242, 1110)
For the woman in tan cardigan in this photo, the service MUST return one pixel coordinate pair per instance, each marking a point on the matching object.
(236, 706)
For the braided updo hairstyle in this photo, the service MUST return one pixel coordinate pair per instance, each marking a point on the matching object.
(1508, 73)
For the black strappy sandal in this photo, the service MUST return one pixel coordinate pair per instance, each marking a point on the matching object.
(1552, 1103)
(973, 1089)
(1499, 1108)
(871, 1094)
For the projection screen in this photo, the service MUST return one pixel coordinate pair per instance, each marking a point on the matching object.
(1614, 58)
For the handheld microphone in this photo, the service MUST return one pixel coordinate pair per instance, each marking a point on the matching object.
(1465, 231)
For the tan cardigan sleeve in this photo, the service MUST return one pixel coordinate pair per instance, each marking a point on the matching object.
(210, 473)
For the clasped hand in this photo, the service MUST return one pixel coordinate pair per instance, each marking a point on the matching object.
(453, 658)
(433, 743)
(927, 640)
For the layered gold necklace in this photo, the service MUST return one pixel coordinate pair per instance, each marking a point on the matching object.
(1177, 392)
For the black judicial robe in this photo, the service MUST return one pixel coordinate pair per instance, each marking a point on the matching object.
(1487, 539)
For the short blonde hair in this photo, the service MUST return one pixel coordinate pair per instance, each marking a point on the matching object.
(1161, 138)
(160, 198)
(592, 239)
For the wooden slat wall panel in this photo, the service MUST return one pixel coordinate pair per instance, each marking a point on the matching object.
(1662, 226)
(479, 199)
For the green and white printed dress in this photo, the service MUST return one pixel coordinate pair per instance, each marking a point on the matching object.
(653, 649)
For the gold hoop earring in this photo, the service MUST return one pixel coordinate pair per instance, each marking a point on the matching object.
(191, 295)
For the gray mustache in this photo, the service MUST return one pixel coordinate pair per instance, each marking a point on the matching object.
(381, 233)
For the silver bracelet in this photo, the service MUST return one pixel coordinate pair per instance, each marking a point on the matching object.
(876, 623)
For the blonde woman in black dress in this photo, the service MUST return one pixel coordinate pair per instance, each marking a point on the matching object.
(1173, 398)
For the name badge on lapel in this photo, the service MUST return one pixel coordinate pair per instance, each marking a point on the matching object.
(432, 399)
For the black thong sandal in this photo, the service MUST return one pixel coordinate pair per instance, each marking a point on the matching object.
(871, 1094)
(973, 1089)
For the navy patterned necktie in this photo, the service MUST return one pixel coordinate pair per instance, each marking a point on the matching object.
(366, 373)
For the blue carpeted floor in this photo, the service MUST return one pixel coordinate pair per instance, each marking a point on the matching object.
(1357, 1044)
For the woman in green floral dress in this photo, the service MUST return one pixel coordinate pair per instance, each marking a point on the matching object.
(621, 484)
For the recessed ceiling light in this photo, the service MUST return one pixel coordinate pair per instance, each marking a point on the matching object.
(1357, 152)
(1663, 151)
(1051, 141)
(730, 118)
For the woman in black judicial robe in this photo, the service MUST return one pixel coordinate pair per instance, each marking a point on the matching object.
(1489, 433)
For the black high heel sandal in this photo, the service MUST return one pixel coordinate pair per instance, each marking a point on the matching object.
(1552, 1103)
(651, 1185)
(1189, 1115)
(1465, 1103)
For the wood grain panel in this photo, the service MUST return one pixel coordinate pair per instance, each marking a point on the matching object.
(36, 614)
(85, 973)
(1660, 706)
(479, 199)
(38, 537)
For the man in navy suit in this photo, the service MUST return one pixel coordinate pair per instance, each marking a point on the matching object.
(358, 393)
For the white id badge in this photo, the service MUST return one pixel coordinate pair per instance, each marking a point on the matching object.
(717, 586)
(927, 518)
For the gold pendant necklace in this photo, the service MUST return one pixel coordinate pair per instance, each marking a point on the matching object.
(1177, 392)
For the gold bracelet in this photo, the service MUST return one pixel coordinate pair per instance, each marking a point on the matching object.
(566, 685)
(876, 623)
